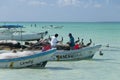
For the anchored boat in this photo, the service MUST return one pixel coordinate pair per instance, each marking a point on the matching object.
(10, 32)
(9, 59)
(79, 54)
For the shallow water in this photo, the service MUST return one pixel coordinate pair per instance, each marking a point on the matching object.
(104, 67)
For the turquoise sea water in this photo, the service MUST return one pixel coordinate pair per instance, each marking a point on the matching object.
(104, 67)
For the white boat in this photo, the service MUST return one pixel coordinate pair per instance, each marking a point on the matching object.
(79, 54)
(9, 32)
(25, 58)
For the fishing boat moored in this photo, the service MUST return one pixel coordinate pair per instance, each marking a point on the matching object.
(11, 32)
(22, 59)
(79, 54)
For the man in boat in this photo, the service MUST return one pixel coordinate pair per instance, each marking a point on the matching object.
(54, 41)
(71, 42)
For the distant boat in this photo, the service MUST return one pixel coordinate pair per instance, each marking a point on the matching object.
(23, 59)
(79, 54)
(52, 27)
(10, 32)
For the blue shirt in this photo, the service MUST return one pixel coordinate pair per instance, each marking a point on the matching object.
(72, 43)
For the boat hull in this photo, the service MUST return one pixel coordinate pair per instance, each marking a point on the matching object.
(23, 37)
(80, 54)
(40, 59)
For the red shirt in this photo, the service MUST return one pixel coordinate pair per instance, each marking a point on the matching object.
(76, 46)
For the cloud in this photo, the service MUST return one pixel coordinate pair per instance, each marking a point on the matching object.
(75, 3)
(83, 3)
(22, 0)
(36, 3)
(97, 5)
(107, 2)
(68, 2)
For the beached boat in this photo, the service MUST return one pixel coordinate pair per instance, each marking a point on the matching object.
(22, 59)
(79, 54)
(10, 32)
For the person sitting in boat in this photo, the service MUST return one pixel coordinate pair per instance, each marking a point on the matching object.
(71, 42)
(54, 41)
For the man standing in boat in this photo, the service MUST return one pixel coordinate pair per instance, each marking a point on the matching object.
(54, 41)
(71, 42)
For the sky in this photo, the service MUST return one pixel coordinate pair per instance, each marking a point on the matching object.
(60, 10)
